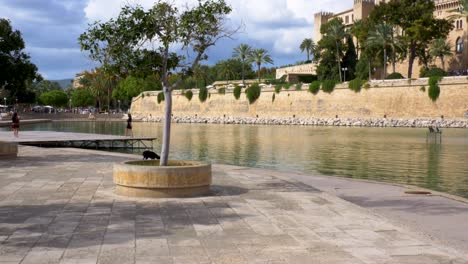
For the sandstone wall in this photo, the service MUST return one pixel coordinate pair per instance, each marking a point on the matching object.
(395, 99)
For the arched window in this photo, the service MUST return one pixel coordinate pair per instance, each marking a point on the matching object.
(459, 45)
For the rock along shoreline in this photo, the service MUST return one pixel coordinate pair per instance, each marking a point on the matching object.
(301, 121)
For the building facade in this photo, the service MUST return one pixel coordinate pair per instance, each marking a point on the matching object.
(457, 64)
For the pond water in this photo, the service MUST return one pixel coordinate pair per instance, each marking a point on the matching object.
(399, 155)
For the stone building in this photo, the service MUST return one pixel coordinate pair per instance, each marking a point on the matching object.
(455, 64)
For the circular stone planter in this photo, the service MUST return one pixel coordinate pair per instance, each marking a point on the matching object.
(148, 179)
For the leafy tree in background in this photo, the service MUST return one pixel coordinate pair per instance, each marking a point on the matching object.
(17, 72)
(259, 56)
(133, 86)
(329, 50)
(82, 98)
(44, 86)
(57, 98)
(308, 46)
(381, 37)
(350, 59)
(335, 30)
(100, 84)
(419, 27)
(162, 27)
(242, 52)
(441, 49)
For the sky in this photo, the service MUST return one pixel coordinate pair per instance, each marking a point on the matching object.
(51, 28)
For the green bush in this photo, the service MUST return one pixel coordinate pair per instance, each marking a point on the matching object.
(328, 86)
(273, 98)
(395, 76)
(278, 88)
(222, 90)
(237, 92)
(188, 94)
(434, 89)
(286, 86)
(298, 86)
(356, 85)
(160, 97)
(314, 87)
(253, 93)
(366, 85)
(422, 89)
(425, 72)
(203, 94)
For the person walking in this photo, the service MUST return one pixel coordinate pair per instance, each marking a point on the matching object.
(15, 124)
(128, 130)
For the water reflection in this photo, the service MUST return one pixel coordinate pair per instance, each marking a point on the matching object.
(392, 154)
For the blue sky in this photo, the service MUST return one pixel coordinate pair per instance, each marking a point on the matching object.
(50, 28)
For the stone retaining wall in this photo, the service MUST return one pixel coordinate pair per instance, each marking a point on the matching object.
(395, 100)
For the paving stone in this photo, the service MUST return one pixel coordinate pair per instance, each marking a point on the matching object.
(63, 210)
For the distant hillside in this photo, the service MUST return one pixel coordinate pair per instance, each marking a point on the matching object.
(63, 83)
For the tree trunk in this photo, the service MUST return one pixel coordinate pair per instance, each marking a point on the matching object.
(385, 64)
(167, 126)
(307, 55)
(443, 62)
(393, 61)
(338, 59)
(243, 72)
(412, 55)
(370, 70)
(258, 64)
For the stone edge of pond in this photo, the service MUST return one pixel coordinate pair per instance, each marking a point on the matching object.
(408, 187)
(306, 121)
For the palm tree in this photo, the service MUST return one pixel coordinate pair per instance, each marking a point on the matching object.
(308, 45)
(259, 56)
(440, 48)
(242, 52)
(337, 32)
(381, 36)
(358, 30)
(226, 70)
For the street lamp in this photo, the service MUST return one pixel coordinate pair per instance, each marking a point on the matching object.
(69, 102)
(118, 101)
(344, 69)
(4, 99)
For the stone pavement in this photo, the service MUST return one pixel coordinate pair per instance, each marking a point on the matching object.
(58, 206)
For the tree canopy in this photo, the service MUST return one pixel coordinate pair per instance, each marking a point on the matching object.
(17, 71)
(159, 30)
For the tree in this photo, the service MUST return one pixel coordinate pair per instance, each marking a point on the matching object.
(161, 28)
(57, 98)
(82, 98)
(307, 45)
(419, 27)
(44, 86)
(329, 50)
(226, 70)
(259, 56)
(381, 37)
(242, 52)
(17, 72)
(360, 30)
(440, 48)
(133, 86)
(350, 59)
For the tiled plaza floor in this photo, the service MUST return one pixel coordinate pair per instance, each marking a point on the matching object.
(58, 206)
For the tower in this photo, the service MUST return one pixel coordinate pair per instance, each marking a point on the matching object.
(320, 19)
(362, 8)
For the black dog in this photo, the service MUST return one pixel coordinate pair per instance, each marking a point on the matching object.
(150, 155)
